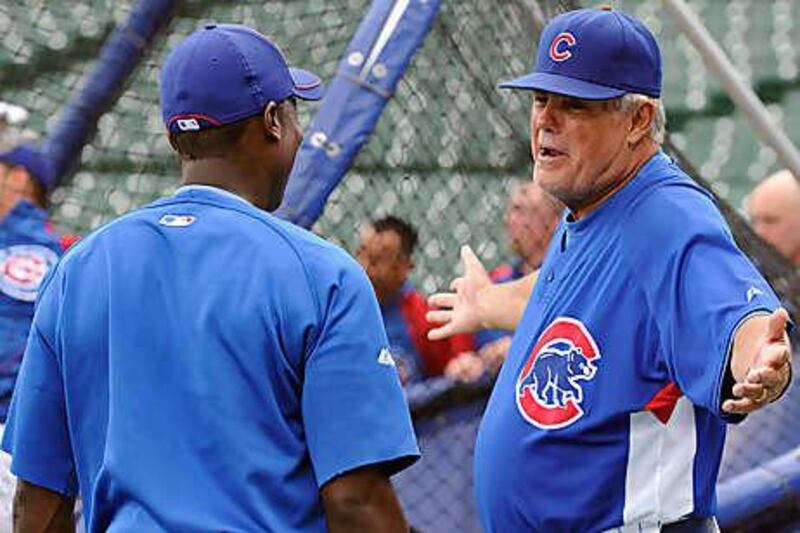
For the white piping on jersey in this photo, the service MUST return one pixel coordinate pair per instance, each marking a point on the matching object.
(213, 189)
(659, 482)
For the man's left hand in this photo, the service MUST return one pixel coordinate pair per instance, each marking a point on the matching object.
(770, 372)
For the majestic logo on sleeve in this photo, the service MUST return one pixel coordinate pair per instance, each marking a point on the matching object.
(22, 269)
(559, 47)
(549, 392)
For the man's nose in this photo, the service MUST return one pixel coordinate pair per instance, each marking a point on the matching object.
(545, 117)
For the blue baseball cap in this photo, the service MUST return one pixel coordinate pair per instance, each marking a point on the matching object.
(223, 73)
(594, 54)
(34, 161)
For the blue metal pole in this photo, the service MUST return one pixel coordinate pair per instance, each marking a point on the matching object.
(119, 57)
(373, 63)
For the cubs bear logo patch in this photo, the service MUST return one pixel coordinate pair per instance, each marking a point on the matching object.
(549, 392)
(22, 269)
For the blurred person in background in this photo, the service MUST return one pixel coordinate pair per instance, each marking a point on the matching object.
(774, 211)
(386, 251)
(28, 249)
(530, 217)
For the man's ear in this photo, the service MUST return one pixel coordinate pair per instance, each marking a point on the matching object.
(643, 116)
(273, 127)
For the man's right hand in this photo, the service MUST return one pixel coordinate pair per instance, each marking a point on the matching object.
(459, 311)
(476, 303)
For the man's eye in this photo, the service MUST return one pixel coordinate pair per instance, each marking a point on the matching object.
(576, 104)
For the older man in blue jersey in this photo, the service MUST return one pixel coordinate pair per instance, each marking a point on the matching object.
(199, 365)
(647, 330)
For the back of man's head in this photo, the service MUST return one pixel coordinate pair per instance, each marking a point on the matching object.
(223, 74)
(228, 102)
(774, 211)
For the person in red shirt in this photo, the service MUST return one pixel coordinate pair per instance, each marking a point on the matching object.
(385, 250)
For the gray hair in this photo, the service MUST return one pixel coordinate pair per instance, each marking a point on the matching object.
(658, 127)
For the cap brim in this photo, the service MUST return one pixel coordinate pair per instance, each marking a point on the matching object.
(552, 83)
(307, 86)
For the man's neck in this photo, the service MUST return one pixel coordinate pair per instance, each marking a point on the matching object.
(221, 174)
(645, 152)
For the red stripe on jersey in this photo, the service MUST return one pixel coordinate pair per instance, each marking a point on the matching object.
(69, 240)
(663, 403)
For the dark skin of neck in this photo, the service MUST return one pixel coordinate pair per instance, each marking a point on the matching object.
(258, 169)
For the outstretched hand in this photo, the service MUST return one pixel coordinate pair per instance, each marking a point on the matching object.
(458, 311)
(770, 372)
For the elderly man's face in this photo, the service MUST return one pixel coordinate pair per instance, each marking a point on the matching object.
(579, 146)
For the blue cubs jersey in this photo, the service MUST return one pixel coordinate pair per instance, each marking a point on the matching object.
(199, 365)
(28, 249)
(607, 410)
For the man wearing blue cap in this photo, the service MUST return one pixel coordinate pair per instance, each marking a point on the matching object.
(199, 365)
(647, 330)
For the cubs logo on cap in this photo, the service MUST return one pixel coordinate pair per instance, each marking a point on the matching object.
(549, 392)
(22, 269)
(559, 47)
(594, 54)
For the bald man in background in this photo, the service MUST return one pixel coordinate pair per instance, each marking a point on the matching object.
(774, 210)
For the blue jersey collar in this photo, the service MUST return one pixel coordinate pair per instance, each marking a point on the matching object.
(204, 190)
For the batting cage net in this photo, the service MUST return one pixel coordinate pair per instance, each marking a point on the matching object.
(443, 156)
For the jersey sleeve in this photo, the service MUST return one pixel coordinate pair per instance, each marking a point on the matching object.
(699, 288)
(354, 410)
(36, 433)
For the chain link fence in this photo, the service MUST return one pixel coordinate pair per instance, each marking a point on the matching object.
(443, 155)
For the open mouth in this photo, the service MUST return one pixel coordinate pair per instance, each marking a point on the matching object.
(548, 152)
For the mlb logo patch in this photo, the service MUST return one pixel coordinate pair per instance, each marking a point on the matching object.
(549, 392)
(177, 221)
(188, 124)
(22, 269)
